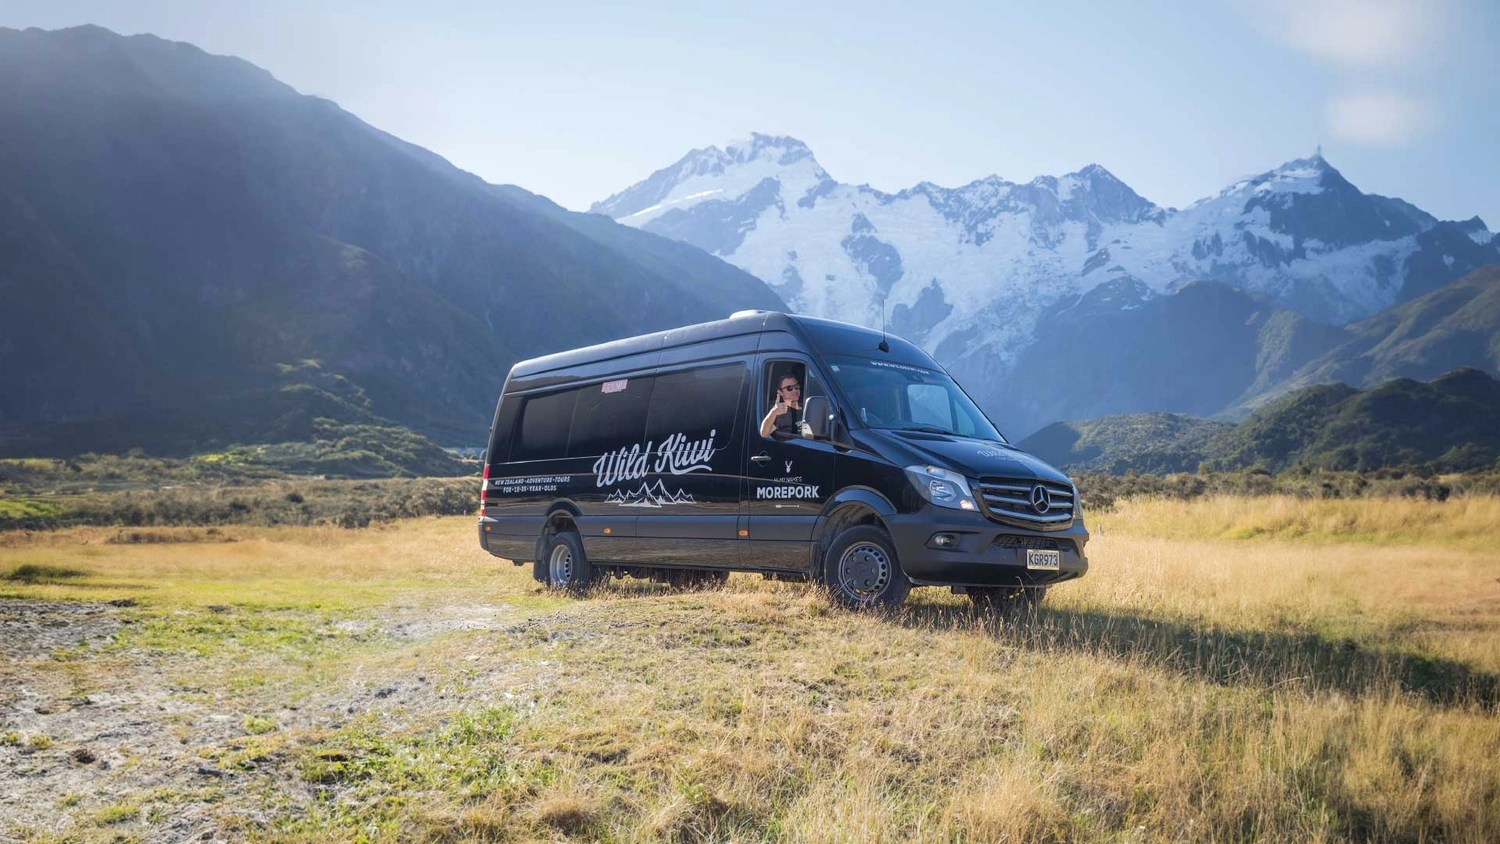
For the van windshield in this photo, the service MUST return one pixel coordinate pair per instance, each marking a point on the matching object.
(900, 396)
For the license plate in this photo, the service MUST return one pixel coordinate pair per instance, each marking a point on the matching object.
(1050, 560)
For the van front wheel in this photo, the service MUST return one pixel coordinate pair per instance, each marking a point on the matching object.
(567, 567)
(861, 570)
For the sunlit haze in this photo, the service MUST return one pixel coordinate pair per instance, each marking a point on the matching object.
(576, 101)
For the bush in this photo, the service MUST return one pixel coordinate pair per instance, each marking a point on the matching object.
(1100, 491)
(313, 502)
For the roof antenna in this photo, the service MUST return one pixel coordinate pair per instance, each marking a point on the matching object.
(884, 346)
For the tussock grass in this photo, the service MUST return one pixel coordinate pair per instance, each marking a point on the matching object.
(1331, 677)
(1471, 522)
(33, 573)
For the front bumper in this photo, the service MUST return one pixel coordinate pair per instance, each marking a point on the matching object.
(984, 554)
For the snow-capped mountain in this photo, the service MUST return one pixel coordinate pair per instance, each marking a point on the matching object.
(978, 274)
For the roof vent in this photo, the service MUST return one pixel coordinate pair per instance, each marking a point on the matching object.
(751, 312)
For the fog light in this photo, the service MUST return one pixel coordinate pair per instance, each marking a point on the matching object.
(944, 540)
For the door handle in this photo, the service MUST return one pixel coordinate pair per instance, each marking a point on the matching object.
(761, 458)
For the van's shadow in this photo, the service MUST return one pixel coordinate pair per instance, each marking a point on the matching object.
(1228, 657)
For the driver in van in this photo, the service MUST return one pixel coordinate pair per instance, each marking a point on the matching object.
(785, 416)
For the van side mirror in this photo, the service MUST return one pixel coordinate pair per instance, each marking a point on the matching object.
(819, 417)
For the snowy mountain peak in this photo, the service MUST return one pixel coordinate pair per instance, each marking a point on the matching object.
(1300, 175)
(782, 149)
(717, 174)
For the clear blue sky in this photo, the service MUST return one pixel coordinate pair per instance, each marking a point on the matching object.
(577, 100)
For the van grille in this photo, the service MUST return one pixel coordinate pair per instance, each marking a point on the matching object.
(1011, 502)
(1045, 543)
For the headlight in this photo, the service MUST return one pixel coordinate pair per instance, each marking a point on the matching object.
(942, 487)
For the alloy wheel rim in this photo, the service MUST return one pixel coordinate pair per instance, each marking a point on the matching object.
(864, 570)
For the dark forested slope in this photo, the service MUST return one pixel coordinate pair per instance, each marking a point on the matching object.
(177, 229)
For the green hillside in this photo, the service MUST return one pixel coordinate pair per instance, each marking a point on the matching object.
(1212, 350)
(1451, 423)
(1157, 443)
(304, 421)
(1454, 326)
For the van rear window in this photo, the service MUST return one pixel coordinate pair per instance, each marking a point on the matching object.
(609, 416)
(696, 401)
(544, 426)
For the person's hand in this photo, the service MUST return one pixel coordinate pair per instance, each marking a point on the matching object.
(780, 409)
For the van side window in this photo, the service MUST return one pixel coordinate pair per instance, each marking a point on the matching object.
(791, 383)
(544, 426)
(501, 440)
(696, 401)
(609, 416)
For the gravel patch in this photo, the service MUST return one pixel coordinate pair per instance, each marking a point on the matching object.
(82, 726)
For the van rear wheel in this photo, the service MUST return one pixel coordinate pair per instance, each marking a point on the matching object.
(861, 570)
(567, 568)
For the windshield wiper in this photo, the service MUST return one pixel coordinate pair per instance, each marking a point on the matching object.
(927, 429)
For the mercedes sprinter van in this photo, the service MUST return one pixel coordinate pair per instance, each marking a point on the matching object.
(796, 447)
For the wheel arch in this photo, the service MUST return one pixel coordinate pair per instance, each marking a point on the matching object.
(849, 507)
(562, 515)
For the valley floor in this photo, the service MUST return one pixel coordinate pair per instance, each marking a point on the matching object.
(1229, 669)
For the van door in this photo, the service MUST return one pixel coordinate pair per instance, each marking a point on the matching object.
(606, 436)
(690, 505)
(789, 476)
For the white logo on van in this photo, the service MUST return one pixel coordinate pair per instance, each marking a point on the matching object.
(648, 495)
(676, 455)
(789, 467)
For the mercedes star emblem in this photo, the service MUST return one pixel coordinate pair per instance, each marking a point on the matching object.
(1039, 500)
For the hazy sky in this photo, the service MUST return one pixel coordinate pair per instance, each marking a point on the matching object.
(578, 100)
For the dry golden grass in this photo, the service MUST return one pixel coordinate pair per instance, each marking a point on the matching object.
(1332, 675)
(282, 566)
(1472, 522)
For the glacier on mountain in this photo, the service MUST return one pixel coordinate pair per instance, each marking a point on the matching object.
(969, 272)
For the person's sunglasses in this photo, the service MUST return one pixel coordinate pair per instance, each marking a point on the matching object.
(793, 387)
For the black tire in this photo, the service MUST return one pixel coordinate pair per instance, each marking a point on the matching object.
(565, 565)
(861, 569)
(1007, 601)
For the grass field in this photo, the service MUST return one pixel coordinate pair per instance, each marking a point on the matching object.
(1230, 669)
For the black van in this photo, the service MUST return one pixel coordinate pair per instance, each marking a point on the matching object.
(797, 447)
